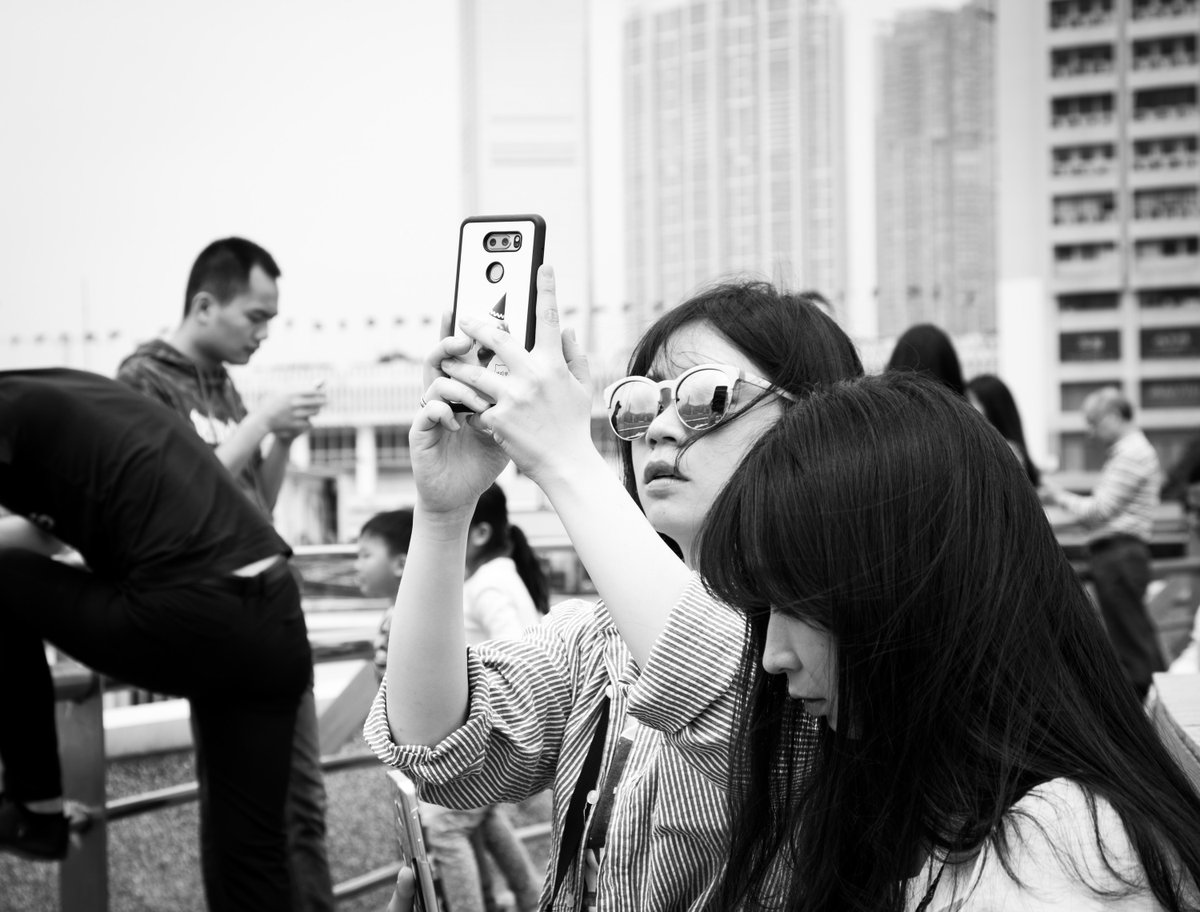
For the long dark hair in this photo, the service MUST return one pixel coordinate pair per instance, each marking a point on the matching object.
(1000, 409)
(788, 335)
(927, 349)
(507, 540)
(970, 665)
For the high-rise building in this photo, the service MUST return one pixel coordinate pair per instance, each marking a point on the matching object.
(525, 119)
(734, 158)
(935, 247)
(1099, 199)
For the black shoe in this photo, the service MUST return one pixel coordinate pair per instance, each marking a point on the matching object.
(40, 837)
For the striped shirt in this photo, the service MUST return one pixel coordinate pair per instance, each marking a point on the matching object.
(534, 707)
(1123, 501)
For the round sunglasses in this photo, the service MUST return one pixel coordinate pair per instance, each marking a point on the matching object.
(703, 396)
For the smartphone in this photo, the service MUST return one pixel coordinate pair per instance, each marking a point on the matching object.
(411, 839)
(498, 260)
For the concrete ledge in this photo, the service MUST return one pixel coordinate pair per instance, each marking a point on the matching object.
(151, 728)
(1176, 715)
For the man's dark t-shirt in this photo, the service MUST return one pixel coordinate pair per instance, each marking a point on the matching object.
(123, 480)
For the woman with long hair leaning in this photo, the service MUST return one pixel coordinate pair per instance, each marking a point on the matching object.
(978, 743)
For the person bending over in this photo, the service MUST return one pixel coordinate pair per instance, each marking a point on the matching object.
(187, 591)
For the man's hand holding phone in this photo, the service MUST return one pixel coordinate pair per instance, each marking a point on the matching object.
(288, 415)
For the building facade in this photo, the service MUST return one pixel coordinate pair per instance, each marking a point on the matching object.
(525, 137)
(355, 461)
(1100, 221)
(734, 158)
(935, 243)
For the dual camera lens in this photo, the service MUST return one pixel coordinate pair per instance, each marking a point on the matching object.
(503, 240)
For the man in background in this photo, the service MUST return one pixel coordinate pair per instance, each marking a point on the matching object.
(1119, 515)
(231, 298)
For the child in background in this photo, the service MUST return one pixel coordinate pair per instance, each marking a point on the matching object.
(382, 549)
(505, 592)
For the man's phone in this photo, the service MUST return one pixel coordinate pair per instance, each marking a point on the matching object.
(411, 839)
(498, 260)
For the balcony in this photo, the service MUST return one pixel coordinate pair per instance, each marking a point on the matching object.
(1077, 127)
(1163, 56)
(1149, 16)
(1169, 211)
(1156, 264)
(1087, 276)
(1075, 24)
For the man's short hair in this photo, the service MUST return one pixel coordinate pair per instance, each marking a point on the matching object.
(223, 269)
(1108, 399)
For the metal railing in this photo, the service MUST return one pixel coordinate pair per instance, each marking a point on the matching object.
(83, 876)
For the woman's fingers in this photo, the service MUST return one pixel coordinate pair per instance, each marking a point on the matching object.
(448, 347)
(456, 392)
(548, 334)
(402, 899)
(486, 384)
(510, 350)
(577, 362)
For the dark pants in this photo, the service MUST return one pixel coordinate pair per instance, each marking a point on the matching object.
(237, 649)
(304, 813)
(1121, 571)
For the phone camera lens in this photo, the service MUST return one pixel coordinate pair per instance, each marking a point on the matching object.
(503, 242)
(491, 242)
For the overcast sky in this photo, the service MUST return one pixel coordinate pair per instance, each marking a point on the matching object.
(137, 131)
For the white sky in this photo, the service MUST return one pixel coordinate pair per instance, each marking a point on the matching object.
(134, 132)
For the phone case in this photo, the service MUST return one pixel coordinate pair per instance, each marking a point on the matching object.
(498, 260)
(411, 839)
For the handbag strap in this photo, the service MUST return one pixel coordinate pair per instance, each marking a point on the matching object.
(577, 810)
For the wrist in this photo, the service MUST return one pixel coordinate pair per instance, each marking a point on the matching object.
(573, 471)
(441, 524)
(259, 423)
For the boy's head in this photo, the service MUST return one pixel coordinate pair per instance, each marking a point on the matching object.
(382, 549)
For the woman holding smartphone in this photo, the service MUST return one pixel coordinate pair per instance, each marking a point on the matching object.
(578, 704)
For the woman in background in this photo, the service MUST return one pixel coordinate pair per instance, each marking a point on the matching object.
(991, 396)
(927, 349)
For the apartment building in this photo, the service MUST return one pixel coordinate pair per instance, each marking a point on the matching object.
(934, 139)
(1100, 197)
(734, 151)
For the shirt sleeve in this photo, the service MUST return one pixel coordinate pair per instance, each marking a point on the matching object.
(1116, 488)
(143, 382)
(521, 693)
(1056, 862)
(688, 689)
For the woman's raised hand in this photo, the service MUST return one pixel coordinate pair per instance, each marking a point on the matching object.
(453, 458)
(542, 411)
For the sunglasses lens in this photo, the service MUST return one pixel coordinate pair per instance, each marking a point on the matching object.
(703, 398)
(634, 405)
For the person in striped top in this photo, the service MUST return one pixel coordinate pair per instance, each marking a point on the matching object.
(579, 704)
(1120, 515)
